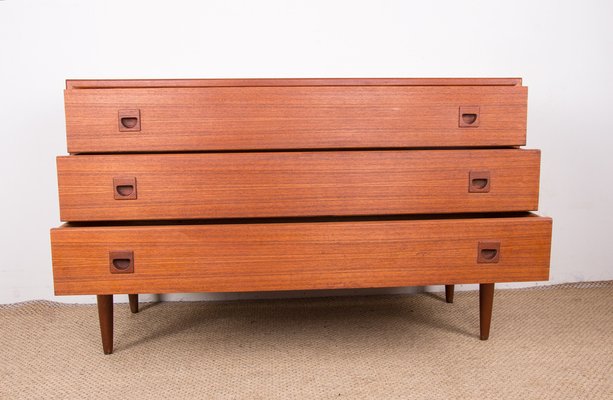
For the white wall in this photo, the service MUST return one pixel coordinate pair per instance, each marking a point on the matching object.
(562, 49)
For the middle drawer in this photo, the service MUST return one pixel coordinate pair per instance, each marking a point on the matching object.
(292, 184)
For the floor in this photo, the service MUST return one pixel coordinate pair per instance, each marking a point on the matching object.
(553, 343)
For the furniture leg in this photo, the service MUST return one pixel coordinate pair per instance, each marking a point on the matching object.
(449, 293)
(133, 303)
(486, 300)
(105, 314)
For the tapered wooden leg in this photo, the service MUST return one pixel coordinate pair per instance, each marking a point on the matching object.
(133, 303)
(105, 314)
(449, 293)
(486, 301)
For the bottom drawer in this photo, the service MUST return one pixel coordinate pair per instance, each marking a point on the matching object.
(299, 255)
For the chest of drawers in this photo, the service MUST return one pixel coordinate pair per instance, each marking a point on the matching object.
(296, 184)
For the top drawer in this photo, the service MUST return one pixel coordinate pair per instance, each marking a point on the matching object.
(200, 115)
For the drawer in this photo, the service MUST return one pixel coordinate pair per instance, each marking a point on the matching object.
(299, 255)
(293, 184)
(367, 114)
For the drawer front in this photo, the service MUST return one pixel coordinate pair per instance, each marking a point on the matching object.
(299, 256)
(290, 184)
(301, 117)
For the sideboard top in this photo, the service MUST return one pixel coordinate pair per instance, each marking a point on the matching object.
(161, 83)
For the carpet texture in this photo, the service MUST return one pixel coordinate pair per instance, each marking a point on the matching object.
(545, 344)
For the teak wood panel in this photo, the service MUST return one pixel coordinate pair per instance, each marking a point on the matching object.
(299, 256)
(296, 117)
(286, 184)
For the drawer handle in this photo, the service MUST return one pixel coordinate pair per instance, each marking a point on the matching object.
(121, 262)
(469, 116)
(479, 182)
(124, 188)
(468, 119)
(129, 120)
(488, 252)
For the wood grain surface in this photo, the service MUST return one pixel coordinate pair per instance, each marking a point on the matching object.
(293, 117)
(285, 184)
(299, 256)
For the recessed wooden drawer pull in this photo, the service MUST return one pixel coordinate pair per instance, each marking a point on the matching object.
(121, 262)
(124, 188)
(469, 116)
(479, 182)
(488, 252)
(129, 120)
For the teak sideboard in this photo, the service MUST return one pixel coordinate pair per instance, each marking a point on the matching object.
(296, 184)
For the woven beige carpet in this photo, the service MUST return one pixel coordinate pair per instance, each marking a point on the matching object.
(545, 344)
